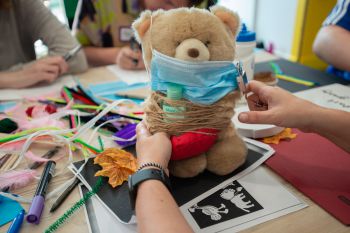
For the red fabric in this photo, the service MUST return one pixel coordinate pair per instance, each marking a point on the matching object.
(319, 169)
(188, 145)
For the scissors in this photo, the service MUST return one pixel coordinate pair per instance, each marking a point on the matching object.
(253, 100)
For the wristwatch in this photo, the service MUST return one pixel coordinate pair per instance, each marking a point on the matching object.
(143, 175)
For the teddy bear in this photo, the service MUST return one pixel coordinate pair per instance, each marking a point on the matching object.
(182, 38)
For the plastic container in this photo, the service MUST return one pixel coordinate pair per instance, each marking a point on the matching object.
(245, 45)
(253, 130)
(174, 92)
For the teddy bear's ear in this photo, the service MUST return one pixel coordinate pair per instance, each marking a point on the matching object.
(228, 17)
(142, 24)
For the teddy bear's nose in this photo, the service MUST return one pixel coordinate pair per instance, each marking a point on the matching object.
(193, 52)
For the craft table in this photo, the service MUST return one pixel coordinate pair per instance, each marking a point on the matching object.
(310, 219)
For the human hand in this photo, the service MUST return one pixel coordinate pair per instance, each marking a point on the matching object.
(43, 70)
(283, 108)
(152, 148)
(129, 59)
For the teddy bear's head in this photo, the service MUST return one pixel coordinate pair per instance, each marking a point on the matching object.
(189, 34)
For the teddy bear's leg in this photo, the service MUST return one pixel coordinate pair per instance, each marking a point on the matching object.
(227, 154)
(188, 167)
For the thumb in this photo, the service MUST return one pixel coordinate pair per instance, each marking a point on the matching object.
(255, 117)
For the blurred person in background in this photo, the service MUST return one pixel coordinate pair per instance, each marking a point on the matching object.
(23, 22)
(104, 28)
(332, 43)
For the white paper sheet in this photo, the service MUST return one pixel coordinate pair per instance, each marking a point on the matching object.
(335, 96)
(129, 76)
(36, 91)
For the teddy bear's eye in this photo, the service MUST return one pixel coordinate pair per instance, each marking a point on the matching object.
(207, 43)
(177, 43)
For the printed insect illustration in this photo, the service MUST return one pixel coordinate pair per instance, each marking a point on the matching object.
(212, 211)
(237, 198)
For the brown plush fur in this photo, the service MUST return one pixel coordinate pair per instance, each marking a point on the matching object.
(165, 31)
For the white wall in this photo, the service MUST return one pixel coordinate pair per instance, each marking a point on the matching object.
(272, 20)
(245, 9)
(275, 21)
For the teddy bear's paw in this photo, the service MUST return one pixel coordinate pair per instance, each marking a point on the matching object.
(226, 156)
(188, 167)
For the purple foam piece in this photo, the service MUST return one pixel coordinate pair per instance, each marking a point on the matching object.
(126, 133)
(36, 210)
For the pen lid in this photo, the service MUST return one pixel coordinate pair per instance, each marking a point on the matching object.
(36, 210)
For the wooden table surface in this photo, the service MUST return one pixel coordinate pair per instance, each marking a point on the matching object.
(310, 219)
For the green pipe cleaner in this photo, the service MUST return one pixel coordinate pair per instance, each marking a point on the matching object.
(61, 220)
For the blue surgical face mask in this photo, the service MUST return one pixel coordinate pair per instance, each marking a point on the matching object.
(203, 82)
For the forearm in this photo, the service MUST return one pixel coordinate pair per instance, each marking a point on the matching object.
(157, 211)
(332, 45)
(10, 79)
(332, 124)
(78, 63)
(97, 56)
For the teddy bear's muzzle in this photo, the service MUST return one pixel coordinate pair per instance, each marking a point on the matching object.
(192, 50)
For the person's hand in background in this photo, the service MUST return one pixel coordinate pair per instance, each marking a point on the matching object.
(44, 70)
(129, 59)
(152, 148)
(284, 109)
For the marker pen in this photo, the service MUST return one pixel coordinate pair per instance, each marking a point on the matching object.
(17, 223)
(38, 202)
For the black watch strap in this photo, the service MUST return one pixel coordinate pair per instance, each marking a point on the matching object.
(143, 175)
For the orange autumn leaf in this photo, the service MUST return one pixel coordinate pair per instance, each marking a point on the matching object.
(285, 134)
(116, 164)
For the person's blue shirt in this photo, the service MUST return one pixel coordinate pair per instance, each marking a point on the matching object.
(340, 16)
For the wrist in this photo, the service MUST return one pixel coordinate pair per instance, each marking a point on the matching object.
(152, 159)
(141, 176)
(311, 117)
(152, 165)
